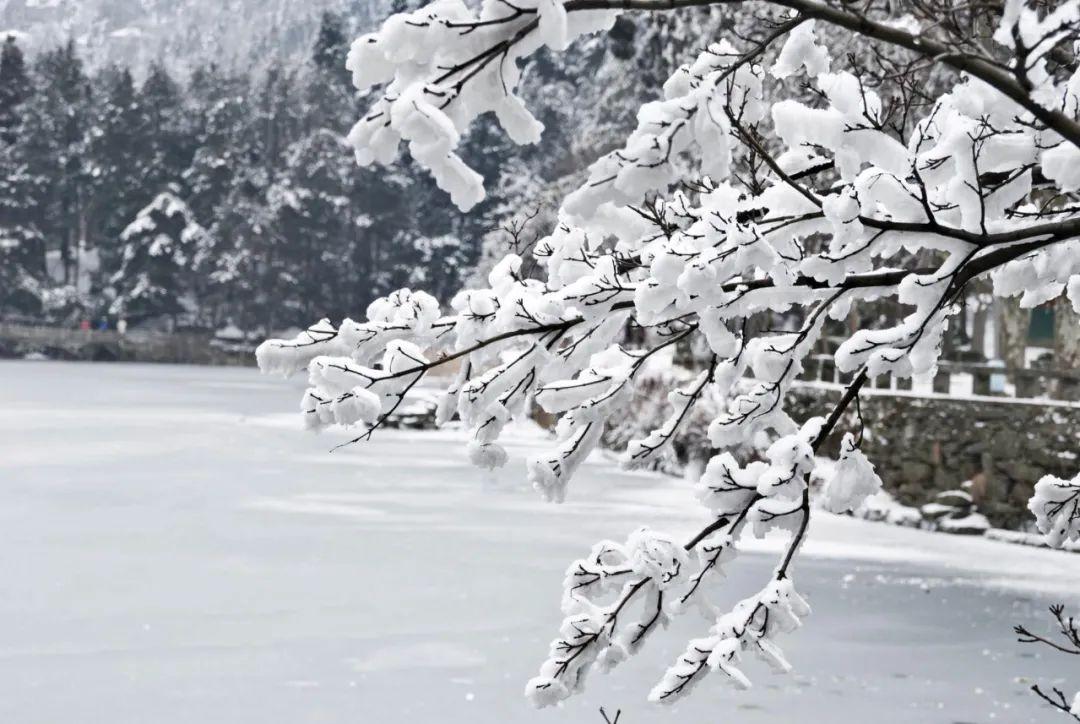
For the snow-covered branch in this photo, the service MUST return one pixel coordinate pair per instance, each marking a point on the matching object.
(725, 206)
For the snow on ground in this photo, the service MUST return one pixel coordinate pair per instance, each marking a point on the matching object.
(177, 551)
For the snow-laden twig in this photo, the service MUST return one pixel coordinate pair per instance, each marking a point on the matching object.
(1069, 632)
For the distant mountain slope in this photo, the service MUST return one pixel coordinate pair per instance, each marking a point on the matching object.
(180, 32)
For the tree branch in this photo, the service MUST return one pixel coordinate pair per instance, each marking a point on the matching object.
(992, 74)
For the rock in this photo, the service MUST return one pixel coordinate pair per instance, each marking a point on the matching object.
(971, 524)
(935, 511)
(905, 516)
(955, 498)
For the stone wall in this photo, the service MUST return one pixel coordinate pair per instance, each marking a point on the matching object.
(922, 445)
(17, 341)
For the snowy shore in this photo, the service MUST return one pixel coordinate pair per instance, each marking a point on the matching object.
(179, 551)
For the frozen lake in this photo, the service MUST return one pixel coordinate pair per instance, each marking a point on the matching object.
(176, 551)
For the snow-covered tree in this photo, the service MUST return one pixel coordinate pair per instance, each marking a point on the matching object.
(22, 246)
(56, 136)
(162, 248)
(773, 174)
(15, 88)
(330, 50)
(163, 128)
(118, 148)
(139, 32)
(310, 210)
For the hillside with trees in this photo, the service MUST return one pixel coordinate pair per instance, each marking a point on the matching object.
(260, 161)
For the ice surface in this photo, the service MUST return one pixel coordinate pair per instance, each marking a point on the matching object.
(177, 551)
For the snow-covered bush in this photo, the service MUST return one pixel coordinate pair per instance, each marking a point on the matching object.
(882, 507)
(954, 511)
(806, 204)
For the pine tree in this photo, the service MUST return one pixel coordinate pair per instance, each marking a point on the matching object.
(252, 259)
(221, 137)
(15, 88)
(332, 47)
(117, 149)
(164, 129)
(57, 139)
(329, 97)
(163, 249)
(242, 258)
(310, 210)
(22, 246)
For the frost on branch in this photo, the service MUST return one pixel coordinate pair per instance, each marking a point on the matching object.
(769, 192)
